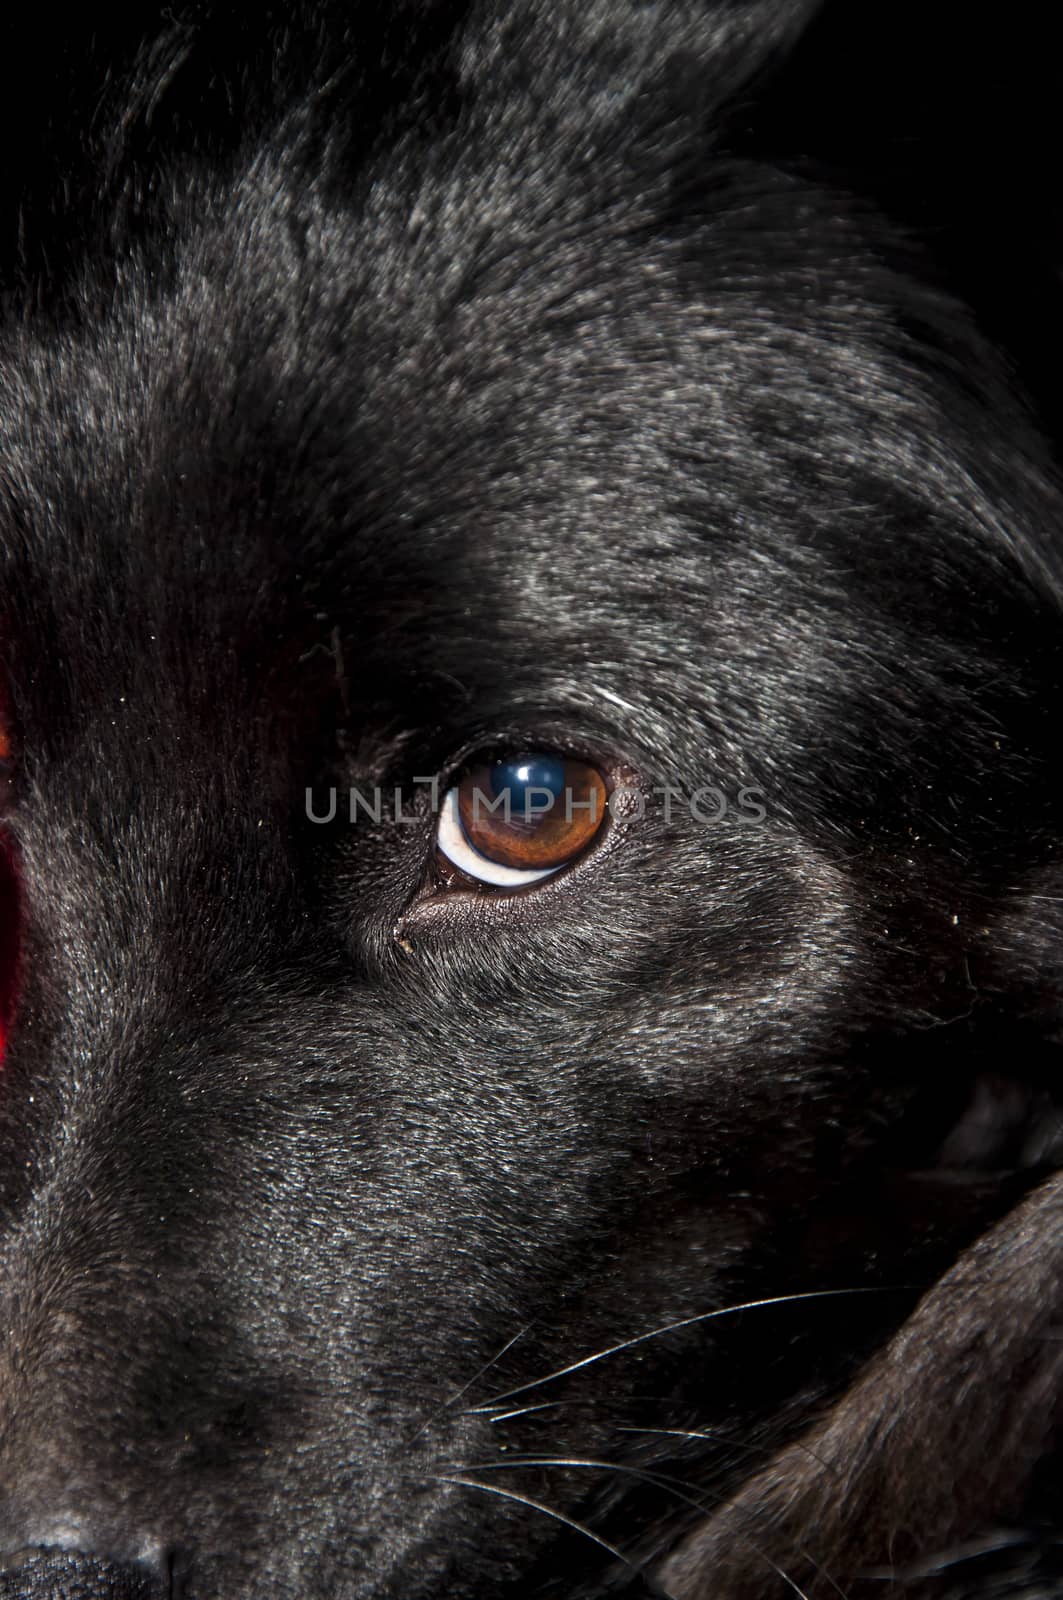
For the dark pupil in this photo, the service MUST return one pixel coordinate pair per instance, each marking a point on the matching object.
(524, 773)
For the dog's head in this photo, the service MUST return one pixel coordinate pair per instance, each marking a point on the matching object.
(404, 414)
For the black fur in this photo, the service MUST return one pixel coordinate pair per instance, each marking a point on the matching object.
(387, 384)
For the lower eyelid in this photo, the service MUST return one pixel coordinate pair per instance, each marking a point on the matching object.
(451, 840)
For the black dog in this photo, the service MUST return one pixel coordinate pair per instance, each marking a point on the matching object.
(648, 1192)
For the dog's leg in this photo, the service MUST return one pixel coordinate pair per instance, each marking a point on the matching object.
(919, 1464)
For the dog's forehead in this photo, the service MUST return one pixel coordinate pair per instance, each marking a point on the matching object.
(523, 473)
(320, 422)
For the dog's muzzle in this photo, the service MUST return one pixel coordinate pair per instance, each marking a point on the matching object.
(60, 1575)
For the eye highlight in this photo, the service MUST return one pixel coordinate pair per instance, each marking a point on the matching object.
(519, 820)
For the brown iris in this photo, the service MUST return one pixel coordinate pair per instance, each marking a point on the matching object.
(532, 811)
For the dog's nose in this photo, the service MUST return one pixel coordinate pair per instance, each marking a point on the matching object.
(63, 1575)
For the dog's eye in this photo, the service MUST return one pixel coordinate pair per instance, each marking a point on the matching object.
(514, 821)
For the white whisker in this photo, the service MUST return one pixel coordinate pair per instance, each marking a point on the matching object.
(726, 1439)
(670, 1327)
(547, 1511)
(507, 1416)
(672, 1485)
(448, 1405)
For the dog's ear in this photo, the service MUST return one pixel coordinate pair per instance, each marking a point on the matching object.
(618, 70)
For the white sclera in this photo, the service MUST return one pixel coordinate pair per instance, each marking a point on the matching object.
(450, 837)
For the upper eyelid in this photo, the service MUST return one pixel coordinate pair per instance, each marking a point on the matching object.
(495, 743)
